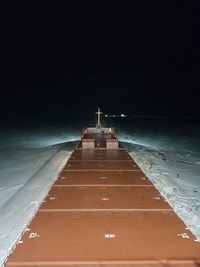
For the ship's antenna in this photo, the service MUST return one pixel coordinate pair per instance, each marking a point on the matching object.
(99, 117)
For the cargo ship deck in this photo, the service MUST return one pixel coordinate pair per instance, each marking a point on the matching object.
(103, 211)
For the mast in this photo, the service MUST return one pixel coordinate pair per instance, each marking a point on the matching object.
(99, 118)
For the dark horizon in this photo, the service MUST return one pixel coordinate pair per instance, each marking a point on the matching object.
(63, 58)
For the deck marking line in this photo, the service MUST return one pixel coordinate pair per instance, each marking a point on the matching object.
(110, 210)
(98, 263)
(104, 170)
(97, 160)
(111, 185)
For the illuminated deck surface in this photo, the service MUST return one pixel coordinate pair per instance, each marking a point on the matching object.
(103, 211)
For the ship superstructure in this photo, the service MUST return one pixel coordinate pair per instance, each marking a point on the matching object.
(99, 137)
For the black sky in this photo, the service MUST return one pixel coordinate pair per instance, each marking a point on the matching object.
(136, 57)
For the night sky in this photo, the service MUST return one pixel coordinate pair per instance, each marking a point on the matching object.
(134, 57)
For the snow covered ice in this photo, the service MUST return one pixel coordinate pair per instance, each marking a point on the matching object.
(29, 164)
(171, 159)
(30, 161)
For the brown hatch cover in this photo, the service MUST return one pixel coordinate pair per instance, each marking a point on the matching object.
(103, 211)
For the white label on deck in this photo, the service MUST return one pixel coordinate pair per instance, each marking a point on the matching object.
(34, 235)
(105, 198)
(156, 198)
(53, 198)
(103, 177)
(183, 235)
(109, 235)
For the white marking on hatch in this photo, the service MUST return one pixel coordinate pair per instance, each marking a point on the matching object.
(105, 198)
(109, 235)
(183, 235)
(34, 235)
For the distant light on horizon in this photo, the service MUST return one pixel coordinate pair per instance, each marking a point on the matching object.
(123, 115)
(115, 116)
